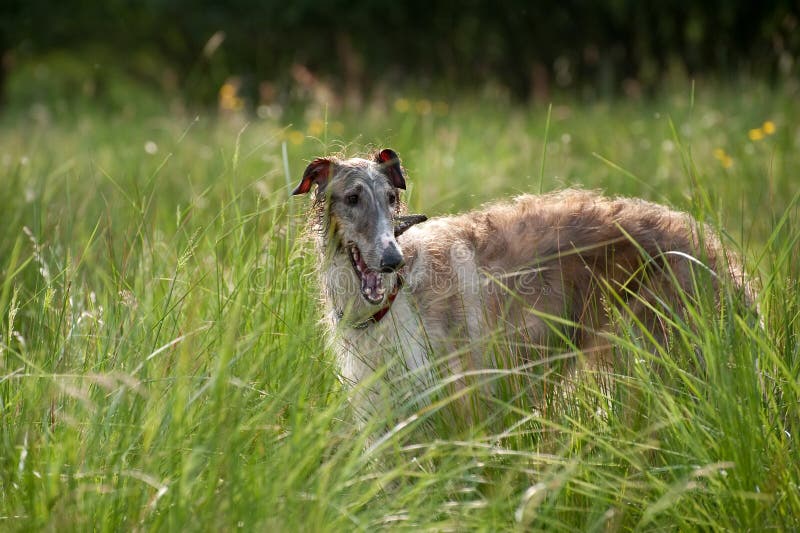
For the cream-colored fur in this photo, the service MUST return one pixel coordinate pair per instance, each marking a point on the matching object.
(520, 269)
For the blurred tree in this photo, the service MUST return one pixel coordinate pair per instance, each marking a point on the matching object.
(529, 47)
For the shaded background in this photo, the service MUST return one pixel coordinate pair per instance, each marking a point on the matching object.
(161, 362)
(351, 52)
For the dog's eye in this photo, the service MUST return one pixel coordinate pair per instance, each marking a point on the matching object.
(392, 198)
(351, 199)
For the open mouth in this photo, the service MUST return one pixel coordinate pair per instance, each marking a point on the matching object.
(371, 282)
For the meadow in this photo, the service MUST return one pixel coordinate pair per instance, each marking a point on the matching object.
(162, 364)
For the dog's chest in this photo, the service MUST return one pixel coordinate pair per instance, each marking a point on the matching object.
(398, 344)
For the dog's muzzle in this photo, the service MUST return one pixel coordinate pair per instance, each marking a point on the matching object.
(391, 260)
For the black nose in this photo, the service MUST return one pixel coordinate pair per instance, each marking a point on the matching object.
(391, 260)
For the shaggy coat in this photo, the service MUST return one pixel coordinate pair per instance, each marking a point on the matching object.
(539, 265)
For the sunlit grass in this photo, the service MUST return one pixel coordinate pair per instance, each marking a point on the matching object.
(163, 365)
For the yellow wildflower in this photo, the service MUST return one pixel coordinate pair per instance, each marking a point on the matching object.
(316, 127)
(228, 98)
(296, 137)
(756, 134)
(725, 160)
(227, 91)
(402, 105)
(768, 127)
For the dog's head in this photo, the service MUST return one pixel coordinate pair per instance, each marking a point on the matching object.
(361, 206)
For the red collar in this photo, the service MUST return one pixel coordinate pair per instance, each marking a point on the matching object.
(380, 313)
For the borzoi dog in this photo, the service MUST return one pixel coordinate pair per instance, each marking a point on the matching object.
(400, 292)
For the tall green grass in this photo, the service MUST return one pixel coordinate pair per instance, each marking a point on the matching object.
(163, 366)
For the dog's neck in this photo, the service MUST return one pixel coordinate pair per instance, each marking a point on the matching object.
(378, 315)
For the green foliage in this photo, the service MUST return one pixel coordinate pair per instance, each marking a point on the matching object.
(162, 365)
(593, 48)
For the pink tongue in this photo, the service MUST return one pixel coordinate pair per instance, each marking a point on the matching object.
(370, 283)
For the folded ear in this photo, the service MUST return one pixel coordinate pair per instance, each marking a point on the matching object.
(391, 162)
(318, 171)
(402, 223)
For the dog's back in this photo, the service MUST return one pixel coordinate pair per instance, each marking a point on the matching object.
(570, 255)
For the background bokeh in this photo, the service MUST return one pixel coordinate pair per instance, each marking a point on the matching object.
(357, 51)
